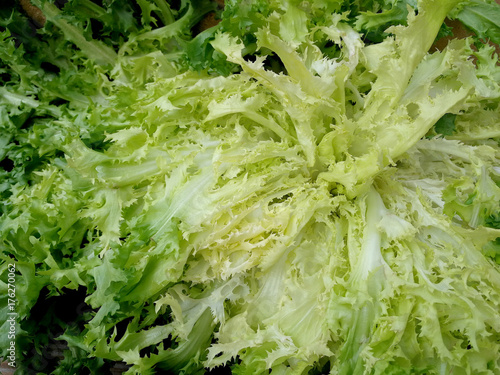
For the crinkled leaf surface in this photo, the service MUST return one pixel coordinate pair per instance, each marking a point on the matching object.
(302, 189)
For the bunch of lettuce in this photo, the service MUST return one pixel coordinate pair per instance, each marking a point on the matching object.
(305, 188)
